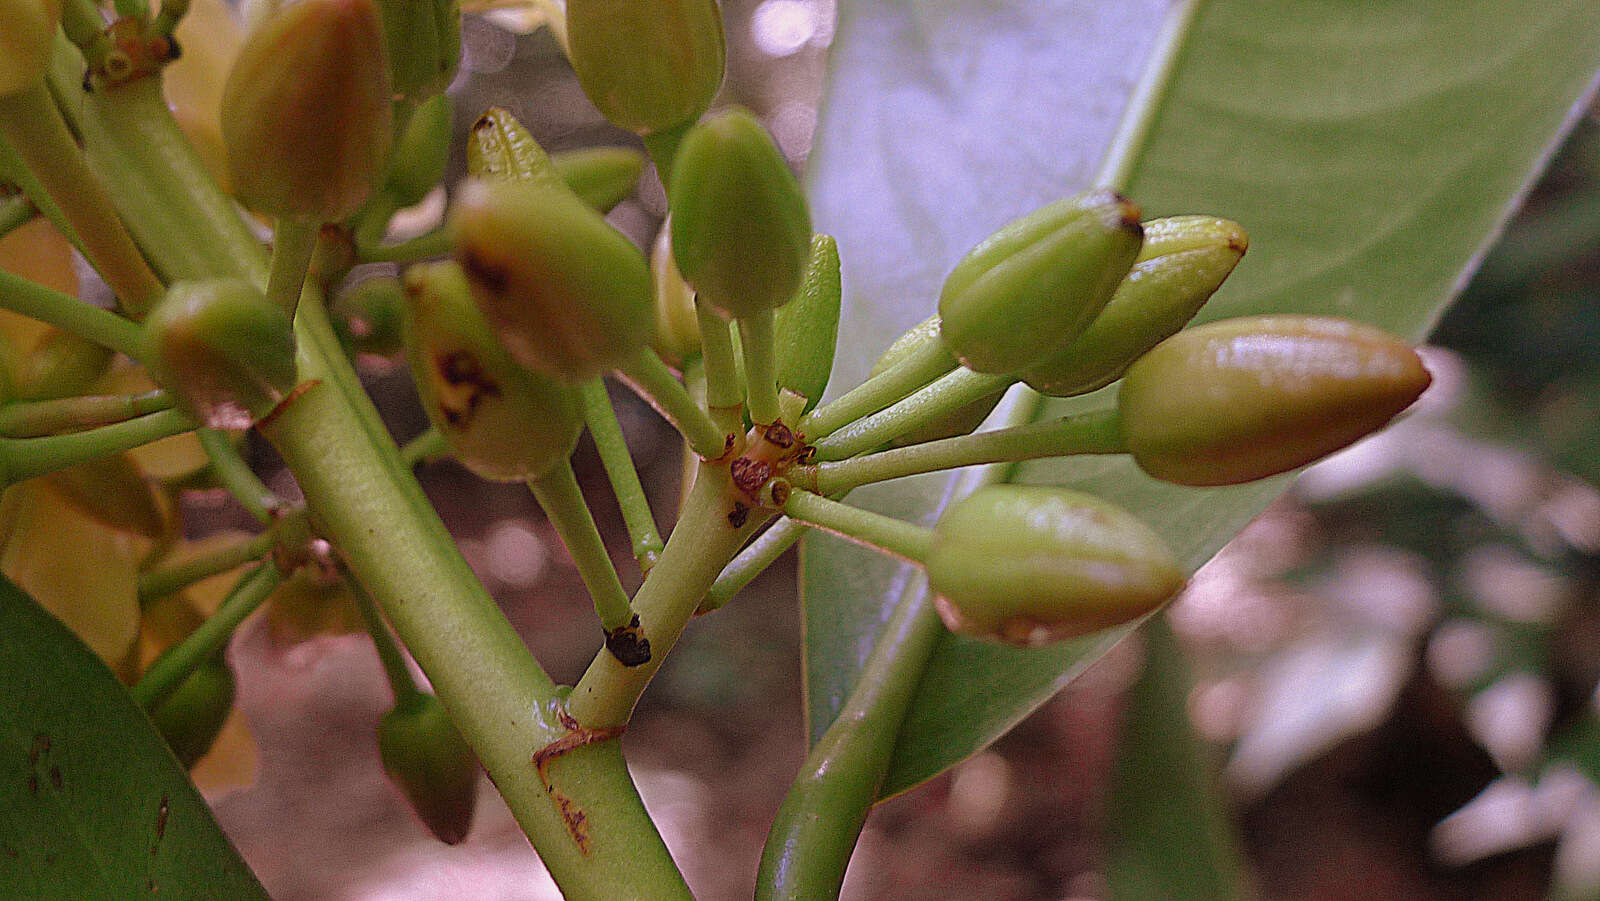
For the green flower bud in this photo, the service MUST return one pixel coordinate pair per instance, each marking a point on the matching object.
(962, 421)
(677, 324)
(426, 757)
(223, 349)
(306, 115)
(568, 294)
(62, 364)
(807, 327)
(740, 229)
(421, 155)
(1028, 564)
(648, 65)
(424, 45)
(1243, 399)
(193, 715)
(502, 421)
(27, 28)
(602, 176)
(1036, 284)
(500, 149)
(369, 317)
(1184, 261)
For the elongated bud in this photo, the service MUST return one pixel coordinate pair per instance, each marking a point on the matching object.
(741, 232)
(1028, 564)
(370, 316)
(647, 65)
(568, 294)
(27, 28)
(1183, 262)
(424, 45)
(807, 327)
(500, 149)
(426, 757)
(223, 349)
(602, 176)
(677, 325)
(422, 153)
(306, 111)
(502, 421)
(1036, 284)
(193, 715)
(962, 421)
(1243, 399)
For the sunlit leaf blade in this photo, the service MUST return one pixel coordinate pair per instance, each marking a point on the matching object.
(92, 804)
(1373, 149)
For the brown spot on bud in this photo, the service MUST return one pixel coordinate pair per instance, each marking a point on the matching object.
(492, 277)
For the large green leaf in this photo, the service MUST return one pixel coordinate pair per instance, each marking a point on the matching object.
(92, 803)
(1372, 147)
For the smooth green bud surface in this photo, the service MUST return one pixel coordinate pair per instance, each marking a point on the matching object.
(223, 349)
(27, 28)
(677, 324)
(962, 421)
(426, 757)
(1183, 262)
(741, 232)
(807, 327)
(369, 317)
(1036, 284)
(647, 65)
(1243, 399)
(602, 176)
(422, 153)
(500, 149)
(193, 715)
(306, 118)
(1028, 564)
(62, 364)
(502, 421)
(424, 45)
(568, 294)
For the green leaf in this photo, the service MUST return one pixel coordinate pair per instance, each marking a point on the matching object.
(92, 803)
(1373, 148)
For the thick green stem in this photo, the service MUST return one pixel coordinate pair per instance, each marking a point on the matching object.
(34, 419)
(107, 329)
(558, 493)
(292, 245)
(1088, 433)
(24, 458)
(601, 418)
(820, 819)
(713, 526)
(946, 395)
(751, 562)
(160, 583)
(884, 534)
(32, 125)
(925, 363)
(15, 171)
(760, 367)
(654, 382)
(724, 390)
(171, 668)
(394, 662)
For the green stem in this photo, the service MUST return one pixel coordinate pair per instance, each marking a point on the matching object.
(103, 327)
(1149, 97)
(601, 418)
(432, 244)
(654, 382)
(663, 150)
(562, 500)
(394, 662)
(926, 362)
(15, 212)
(37, 418)
(15, 171)
(291, 253)
(179, 662)
(881, 533)
(160, 583)
(760, 367)
(170, 16)
(33, 126)
(816, 827)
(751, 562)
(237, 477)
(1098, 432)
(83, 25)
(25, 458)
(724, 390)
(426, 446)
(701, 544)
(946, 395)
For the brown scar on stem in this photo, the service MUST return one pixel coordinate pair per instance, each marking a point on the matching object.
(780, 435)
(739, 515)
(298, 392)
(161, 817)
(576, 821)
(749, 475)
